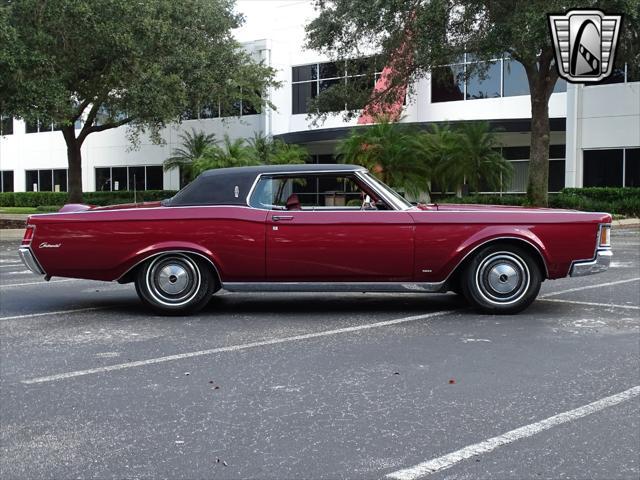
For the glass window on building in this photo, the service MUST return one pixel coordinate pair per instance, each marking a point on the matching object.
(46, 180)
(6, 125)
(602, 168)
(128, 178)
(520, 176)
(119, 179)
(31, 126)
(103, 179)
(136, 178)
(489, 87)
(210, 110)
(560, 86)
(447, 84)
(60, 180)
(515, 79)
(633, 72)
(556, 175)
(31, 180)
(304, 73)
(632, 167)
(6, 180)
(155, 178)
(302, 94)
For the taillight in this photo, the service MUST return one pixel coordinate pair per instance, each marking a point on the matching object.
(605, 236)
(28, 234)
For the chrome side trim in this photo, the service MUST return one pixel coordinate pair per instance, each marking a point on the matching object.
(164, 252)
(30, 261)
(599, 264)
(405, 287)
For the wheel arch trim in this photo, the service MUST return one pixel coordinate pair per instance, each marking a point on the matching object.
(167, 250)
(512, 238)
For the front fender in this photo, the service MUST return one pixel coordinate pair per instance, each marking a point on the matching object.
(495, 233)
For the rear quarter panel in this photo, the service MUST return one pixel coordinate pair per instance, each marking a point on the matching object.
(444, 238)
(103, 245)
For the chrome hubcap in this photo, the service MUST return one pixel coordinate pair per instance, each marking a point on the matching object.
(502, 278)
(173, 279)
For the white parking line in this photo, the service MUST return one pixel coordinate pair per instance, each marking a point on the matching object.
(232, 348)
(450, 459)
(11, 265)
(590, 304)
(587, 287)
(60, 312)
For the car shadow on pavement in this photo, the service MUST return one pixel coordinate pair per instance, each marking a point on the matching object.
(303, 303)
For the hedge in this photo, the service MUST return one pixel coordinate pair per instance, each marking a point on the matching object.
(36, 199)
(618, 201)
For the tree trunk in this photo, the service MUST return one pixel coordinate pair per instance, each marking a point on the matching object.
(537, 189)
(74, 158)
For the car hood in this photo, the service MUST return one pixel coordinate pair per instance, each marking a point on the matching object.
(470, 207)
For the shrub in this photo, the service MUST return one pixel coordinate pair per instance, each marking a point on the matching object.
(618, 201)
(37, 199)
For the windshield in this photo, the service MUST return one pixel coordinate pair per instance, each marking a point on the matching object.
(398, 200)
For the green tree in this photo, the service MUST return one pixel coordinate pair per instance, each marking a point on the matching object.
(475, 159)
(385, 149)
(421, 35)
(269, 151)
(194, 145)
(232, 153)
(110, 63)
(435, 150)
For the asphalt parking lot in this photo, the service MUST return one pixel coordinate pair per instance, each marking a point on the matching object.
(320, 386)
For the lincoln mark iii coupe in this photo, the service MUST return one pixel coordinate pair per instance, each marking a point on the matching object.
(321, 228)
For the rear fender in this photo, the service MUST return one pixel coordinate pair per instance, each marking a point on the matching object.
(126, 270)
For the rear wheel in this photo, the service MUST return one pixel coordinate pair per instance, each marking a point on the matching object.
(175, 283)
(501, 279)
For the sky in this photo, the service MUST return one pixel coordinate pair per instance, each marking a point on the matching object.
(262, 15)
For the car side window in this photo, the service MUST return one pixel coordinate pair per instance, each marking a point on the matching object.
(311, 192)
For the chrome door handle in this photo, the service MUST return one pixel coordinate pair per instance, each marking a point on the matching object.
(277, 218)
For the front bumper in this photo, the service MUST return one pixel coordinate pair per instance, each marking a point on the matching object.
(599, 264)
(30, 260)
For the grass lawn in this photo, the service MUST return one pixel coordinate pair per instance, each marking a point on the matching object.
(25, 210)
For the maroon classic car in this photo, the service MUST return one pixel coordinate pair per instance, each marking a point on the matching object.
(314, 228)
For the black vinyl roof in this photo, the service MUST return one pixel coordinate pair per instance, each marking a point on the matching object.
(230, 186)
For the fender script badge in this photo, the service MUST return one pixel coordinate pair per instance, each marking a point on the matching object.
(49, 245)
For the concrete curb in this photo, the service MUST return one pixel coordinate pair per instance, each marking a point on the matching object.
(7, 234)
(14, 216)
(626, 223)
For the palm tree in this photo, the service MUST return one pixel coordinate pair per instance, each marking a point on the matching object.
(194, 146)
(386, 150)
(434, 149)
(476, 160)
(232, 153)
(268, 151)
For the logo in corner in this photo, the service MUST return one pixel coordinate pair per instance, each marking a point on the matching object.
(49, 245)
(585, 44)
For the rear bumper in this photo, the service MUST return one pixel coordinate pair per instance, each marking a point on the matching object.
(589, 267)
(30, 261)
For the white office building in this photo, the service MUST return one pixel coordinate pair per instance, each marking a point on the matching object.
(595, 130)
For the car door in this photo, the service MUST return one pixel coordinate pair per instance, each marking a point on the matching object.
(329, 237)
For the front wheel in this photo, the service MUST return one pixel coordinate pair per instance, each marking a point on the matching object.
(501, 279)
(175, 284)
